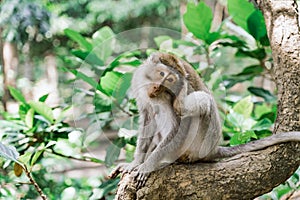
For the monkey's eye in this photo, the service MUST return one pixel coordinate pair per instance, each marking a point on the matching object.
(162, 73)
(170, 79)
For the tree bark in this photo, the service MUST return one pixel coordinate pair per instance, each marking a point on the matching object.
(10, 64)
(247, 175)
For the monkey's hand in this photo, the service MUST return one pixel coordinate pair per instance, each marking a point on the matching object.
(178, 104)
(140, 176)
(122, 168)
(197, 103)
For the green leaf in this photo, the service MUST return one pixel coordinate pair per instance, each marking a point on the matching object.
(256, 25)
(240, 10)
(43, 98)
(17, 95)
(9, 152)
(107, 187)
(242, 138)
(109, 82)
(77, 37)
(4, 124)
(212, 37)
(88, 57)
(239, 122)
(230, 81)
(160, 39)
(102, 103)
(25, 158)
(103, 41)
(265, 94)
(122, 87)
(36, 156)
(253, 70)
(23, 109)
(265, 40)
(117, 61)
(29, 118)
(263, 124)
(244, 107)
(134, 63)
(113, 151)
(84, 77)
(198, 19)
(259, 53)
(42, 109)
(261, 110)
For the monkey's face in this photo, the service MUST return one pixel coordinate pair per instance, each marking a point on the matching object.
(163, 79)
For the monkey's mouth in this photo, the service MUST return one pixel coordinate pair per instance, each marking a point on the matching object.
(156, 90)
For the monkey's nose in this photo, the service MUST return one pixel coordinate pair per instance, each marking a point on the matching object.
(155, 90)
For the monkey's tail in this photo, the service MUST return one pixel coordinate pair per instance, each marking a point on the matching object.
(224, 152)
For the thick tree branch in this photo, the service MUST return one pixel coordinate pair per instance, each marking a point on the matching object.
(241, 177)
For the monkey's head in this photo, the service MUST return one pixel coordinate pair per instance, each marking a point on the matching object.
(163, 79)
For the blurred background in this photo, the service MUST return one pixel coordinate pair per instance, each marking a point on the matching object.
(65, 78)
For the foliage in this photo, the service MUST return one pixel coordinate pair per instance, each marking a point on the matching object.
(24, 21)
(101, 75)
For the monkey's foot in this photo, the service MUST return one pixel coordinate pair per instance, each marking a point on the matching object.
(140, 179)
(122, 168)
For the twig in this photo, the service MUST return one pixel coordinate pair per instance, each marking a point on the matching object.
(83, 158)
(122, 109)
(32, 181)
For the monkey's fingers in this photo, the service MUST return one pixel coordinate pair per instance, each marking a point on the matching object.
(115, 172)
(141, 179)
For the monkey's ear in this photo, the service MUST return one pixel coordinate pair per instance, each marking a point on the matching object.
(155, 57)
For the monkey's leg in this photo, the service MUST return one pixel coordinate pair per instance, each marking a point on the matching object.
(164, 154)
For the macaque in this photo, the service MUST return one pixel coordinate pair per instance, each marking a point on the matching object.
(179, 119)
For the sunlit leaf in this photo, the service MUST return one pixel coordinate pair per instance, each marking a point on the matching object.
(88, 57)
(122, 87)
(103, 41)
(29, 118)
(17, 95)
(102, 103)
(77, 37)
(109, 82)
(240, 10)
(42, 109)
(36, 156)
(85, 78)
(242, 137)
(4, 124)
(260, 110)
(160, 39)
(113, 151)
(9, 152)
(198, 19)
(244, 107)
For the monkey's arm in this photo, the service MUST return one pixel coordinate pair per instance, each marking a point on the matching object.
(146, 132)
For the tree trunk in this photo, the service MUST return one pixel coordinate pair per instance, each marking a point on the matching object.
(10, 64)
(247, 175)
